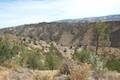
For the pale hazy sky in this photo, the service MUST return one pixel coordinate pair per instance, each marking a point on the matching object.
(17, 12)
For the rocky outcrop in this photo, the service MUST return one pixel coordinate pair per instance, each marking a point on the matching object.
(115, 38)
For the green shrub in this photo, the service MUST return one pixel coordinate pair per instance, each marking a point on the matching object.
(113, 64)
(34, 61)
(13, 54)
(83, 56)
(53, 59)
(7, 51)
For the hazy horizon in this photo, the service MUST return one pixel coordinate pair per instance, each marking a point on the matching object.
(18, 12)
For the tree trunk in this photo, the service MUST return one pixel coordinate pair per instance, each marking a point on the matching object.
(97, 44)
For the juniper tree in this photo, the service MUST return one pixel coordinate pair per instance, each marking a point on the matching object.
(102, 31)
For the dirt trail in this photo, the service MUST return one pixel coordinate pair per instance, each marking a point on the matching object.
(4, 74)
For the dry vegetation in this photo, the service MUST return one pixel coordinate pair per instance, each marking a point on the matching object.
(27, 58)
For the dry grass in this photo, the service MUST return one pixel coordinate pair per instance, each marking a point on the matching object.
(82, 72)
(111, 75)
(45, 74)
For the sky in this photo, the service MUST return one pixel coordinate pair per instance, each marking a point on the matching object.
(18, 12)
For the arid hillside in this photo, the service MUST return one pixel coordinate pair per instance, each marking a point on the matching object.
(66, 33)
(86, 49)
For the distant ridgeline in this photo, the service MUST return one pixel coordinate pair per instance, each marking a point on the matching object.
(69, 32)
